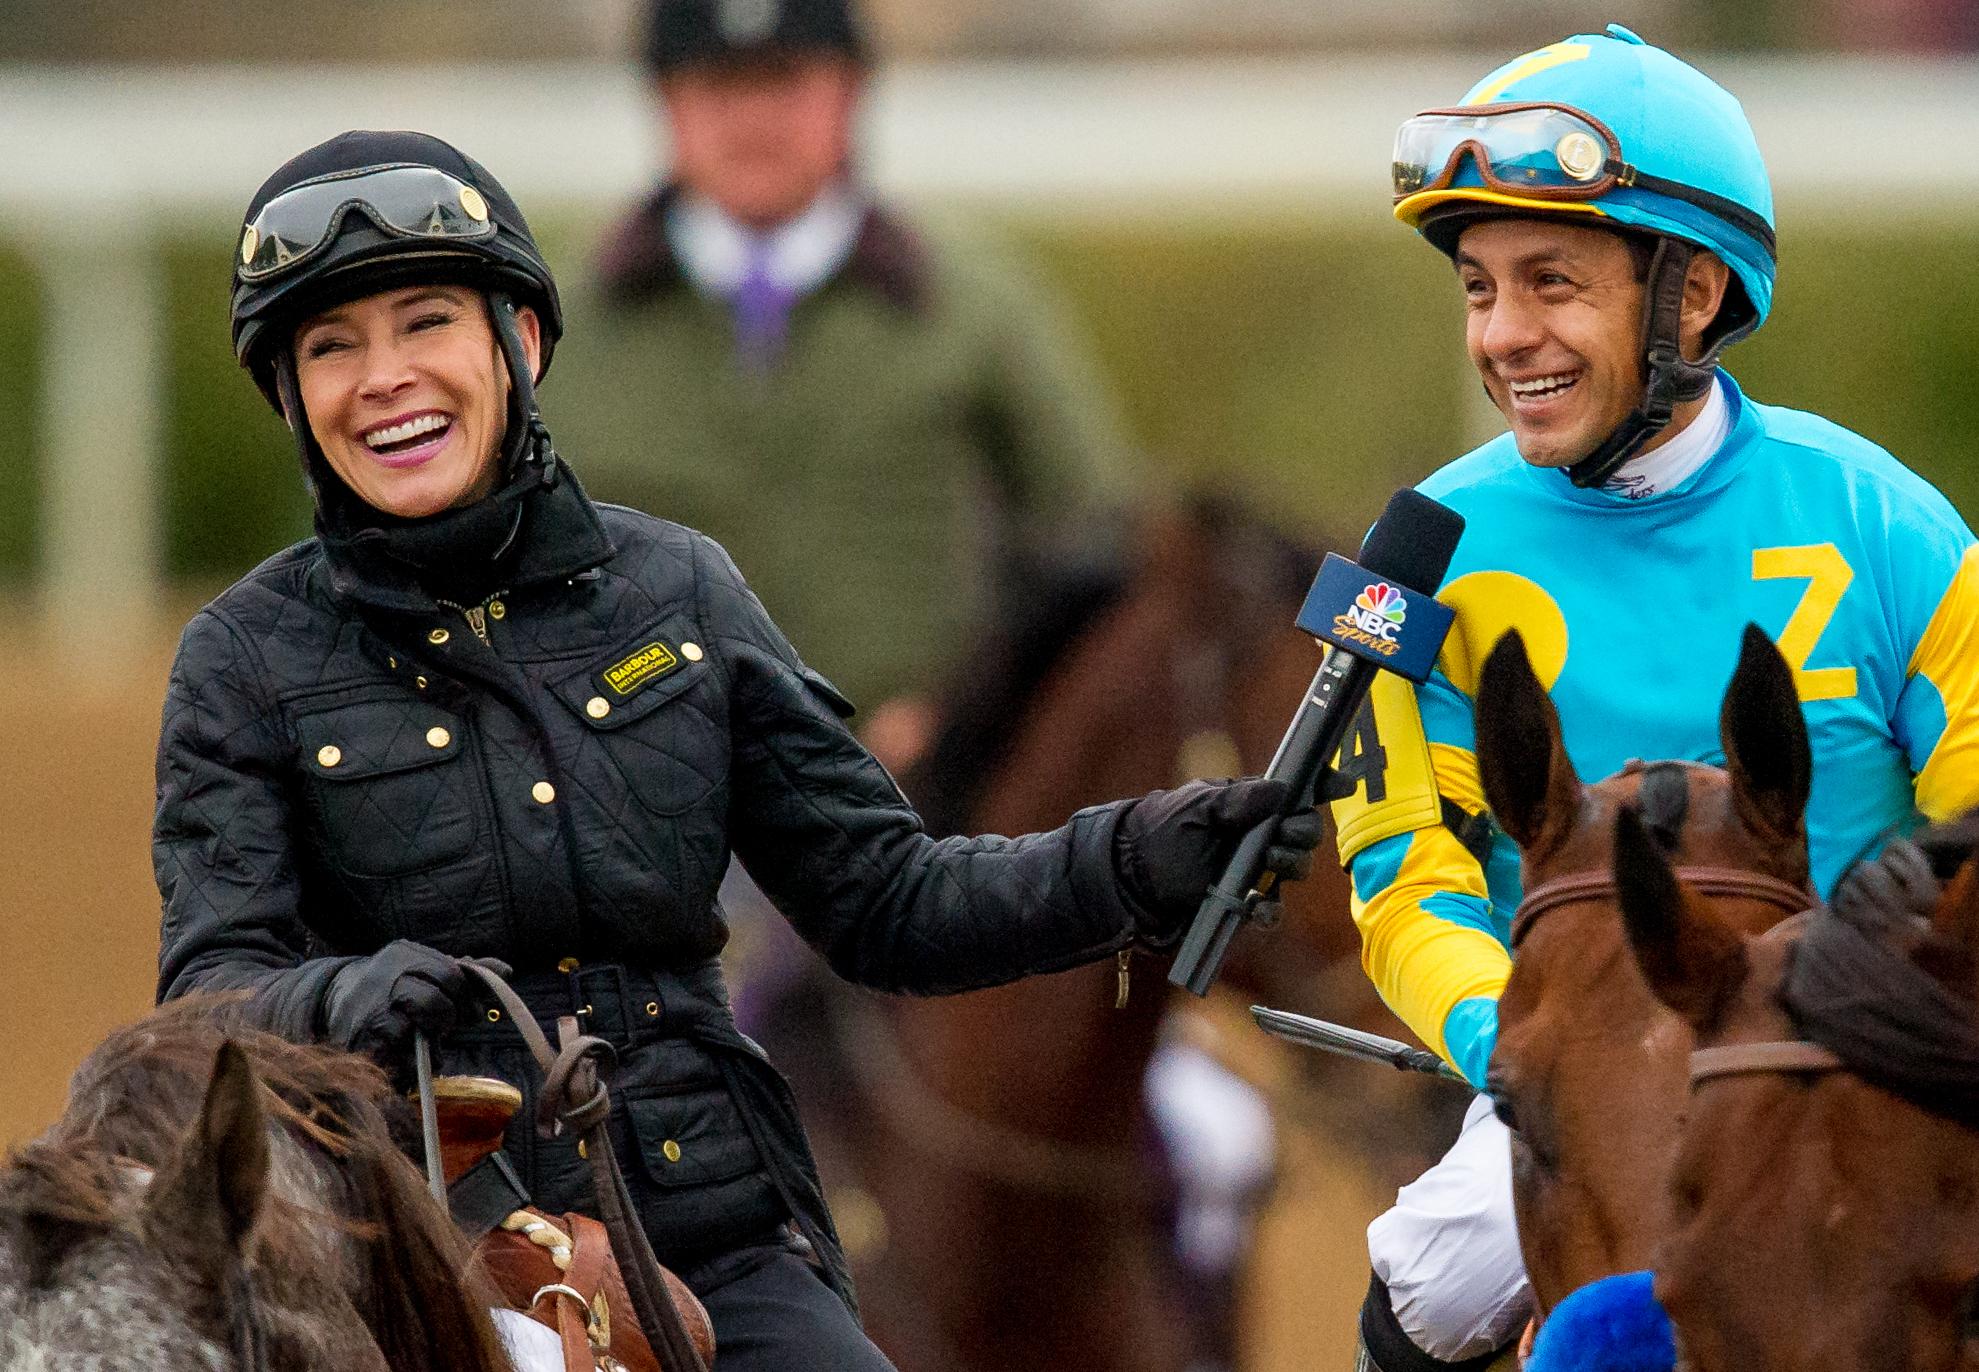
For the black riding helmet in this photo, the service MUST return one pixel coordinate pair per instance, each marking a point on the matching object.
(368, 211)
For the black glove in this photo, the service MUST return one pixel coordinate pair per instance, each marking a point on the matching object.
(376, 1004)
(1900, 883)
(1171, 846)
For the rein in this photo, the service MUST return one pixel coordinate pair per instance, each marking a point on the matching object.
(574, 1099)
(1727, 882)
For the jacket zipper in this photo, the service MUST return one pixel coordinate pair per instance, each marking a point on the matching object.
(476, 615)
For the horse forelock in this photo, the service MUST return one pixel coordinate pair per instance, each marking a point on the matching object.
(1663, 801)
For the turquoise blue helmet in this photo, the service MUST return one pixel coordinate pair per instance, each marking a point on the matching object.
(1679, 131)
(1615, 133)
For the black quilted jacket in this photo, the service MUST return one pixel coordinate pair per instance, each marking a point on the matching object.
(557, 777)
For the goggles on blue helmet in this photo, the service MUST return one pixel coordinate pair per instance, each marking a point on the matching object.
(404, 200)
(1537, 151)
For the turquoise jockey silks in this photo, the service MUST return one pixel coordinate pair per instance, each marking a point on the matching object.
(1632, 612)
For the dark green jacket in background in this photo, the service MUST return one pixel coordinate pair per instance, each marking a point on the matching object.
(928, 435)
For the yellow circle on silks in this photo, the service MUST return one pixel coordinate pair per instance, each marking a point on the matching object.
(1488, 604)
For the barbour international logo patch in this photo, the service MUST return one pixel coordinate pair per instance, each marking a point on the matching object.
(650, 663)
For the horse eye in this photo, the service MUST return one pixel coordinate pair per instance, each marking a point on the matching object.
(1496, 1087)
(1501, 1106)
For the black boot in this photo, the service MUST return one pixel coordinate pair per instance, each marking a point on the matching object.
(1385, 1347)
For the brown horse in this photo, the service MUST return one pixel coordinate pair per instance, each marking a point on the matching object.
(991, 1156)
(217, 1197)
(1826, 1199)
(1589, 1066)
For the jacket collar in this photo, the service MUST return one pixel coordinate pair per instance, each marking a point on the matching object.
(560, 535)
(637, 261)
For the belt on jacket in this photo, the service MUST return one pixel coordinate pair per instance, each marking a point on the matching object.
(625, 1006)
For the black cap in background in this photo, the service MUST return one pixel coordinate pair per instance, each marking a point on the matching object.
(684, 33)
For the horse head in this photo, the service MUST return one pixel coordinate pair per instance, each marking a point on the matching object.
(216, 1197)
(1589, 1066)
(1825, 1205)
(113, 1264)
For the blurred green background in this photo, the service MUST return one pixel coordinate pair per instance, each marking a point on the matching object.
(1306, 368)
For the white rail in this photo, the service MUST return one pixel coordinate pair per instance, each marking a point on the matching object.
(93, 162)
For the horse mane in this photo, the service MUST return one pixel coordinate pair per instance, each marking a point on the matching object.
(131, 1104)
(983, 707)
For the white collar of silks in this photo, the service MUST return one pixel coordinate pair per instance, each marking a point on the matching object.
(1669, 466)
(800, 255)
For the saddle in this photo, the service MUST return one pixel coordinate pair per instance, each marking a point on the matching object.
(557, 1269)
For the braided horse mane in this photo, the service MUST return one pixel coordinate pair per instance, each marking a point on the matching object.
(205, 1174)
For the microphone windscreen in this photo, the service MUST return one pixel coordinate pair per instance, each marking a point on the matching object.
(1413, 541)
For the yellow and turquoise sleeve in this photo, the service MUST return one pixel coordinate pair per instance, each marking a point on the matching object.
(1432, 938)
(1938, 711)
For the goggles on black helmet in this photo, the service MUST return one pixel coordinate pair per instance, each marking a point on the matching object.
(1536, 151)
(405, 200)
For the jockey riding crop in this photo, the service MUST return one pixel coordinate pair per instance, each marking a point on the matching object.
(1352, 1043)
(574, 1098)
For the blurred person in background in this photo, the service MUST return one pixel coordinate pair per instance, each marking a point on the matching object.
(1610, 221)
(479, 716)
(891, 431)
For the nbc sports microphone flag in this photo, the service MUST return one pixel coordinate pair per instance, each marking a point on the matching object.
(1395, 627)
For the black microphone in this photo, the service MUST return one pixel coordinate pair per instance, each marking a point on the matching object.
(1377, 615)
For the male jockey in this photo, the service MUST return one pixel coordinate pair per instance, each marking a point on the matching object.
(1611, 225)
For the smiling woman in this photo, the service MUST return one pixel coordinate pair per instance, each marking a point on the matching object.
(480, 716)
(407, 396)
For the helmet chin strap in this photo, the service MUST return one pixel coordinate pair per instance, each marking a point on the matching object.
(528, 438)
(1671, 379)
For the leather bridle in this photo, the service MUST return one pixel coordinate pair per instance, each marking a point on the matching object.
(1724, 1060)
(1747, 1059)
(1723, 882)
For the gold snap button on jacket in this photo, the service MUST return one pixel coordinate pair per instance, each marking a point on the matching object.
(496, 609)
(329, 755)
(567, 965)
(438, 636)
(438, 737)
(544, 792)
(597, 707)
(691, 651)
(672, 1150)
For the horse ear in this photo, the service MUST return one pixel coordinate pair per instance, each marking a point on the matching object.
(1692, 963)
(1528, 781)
(1764, 735)
(208, 1197)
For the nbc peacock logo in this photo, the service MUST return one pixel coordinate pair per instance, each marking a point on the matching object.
(1375, 618)
(1384, 600)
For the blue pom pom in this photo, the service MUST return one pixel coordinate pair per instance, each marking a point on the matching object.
(1612, 1325)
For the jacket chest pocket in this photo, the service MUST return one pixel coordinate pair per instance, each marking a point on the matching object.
(390, 791)
(647, 712)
